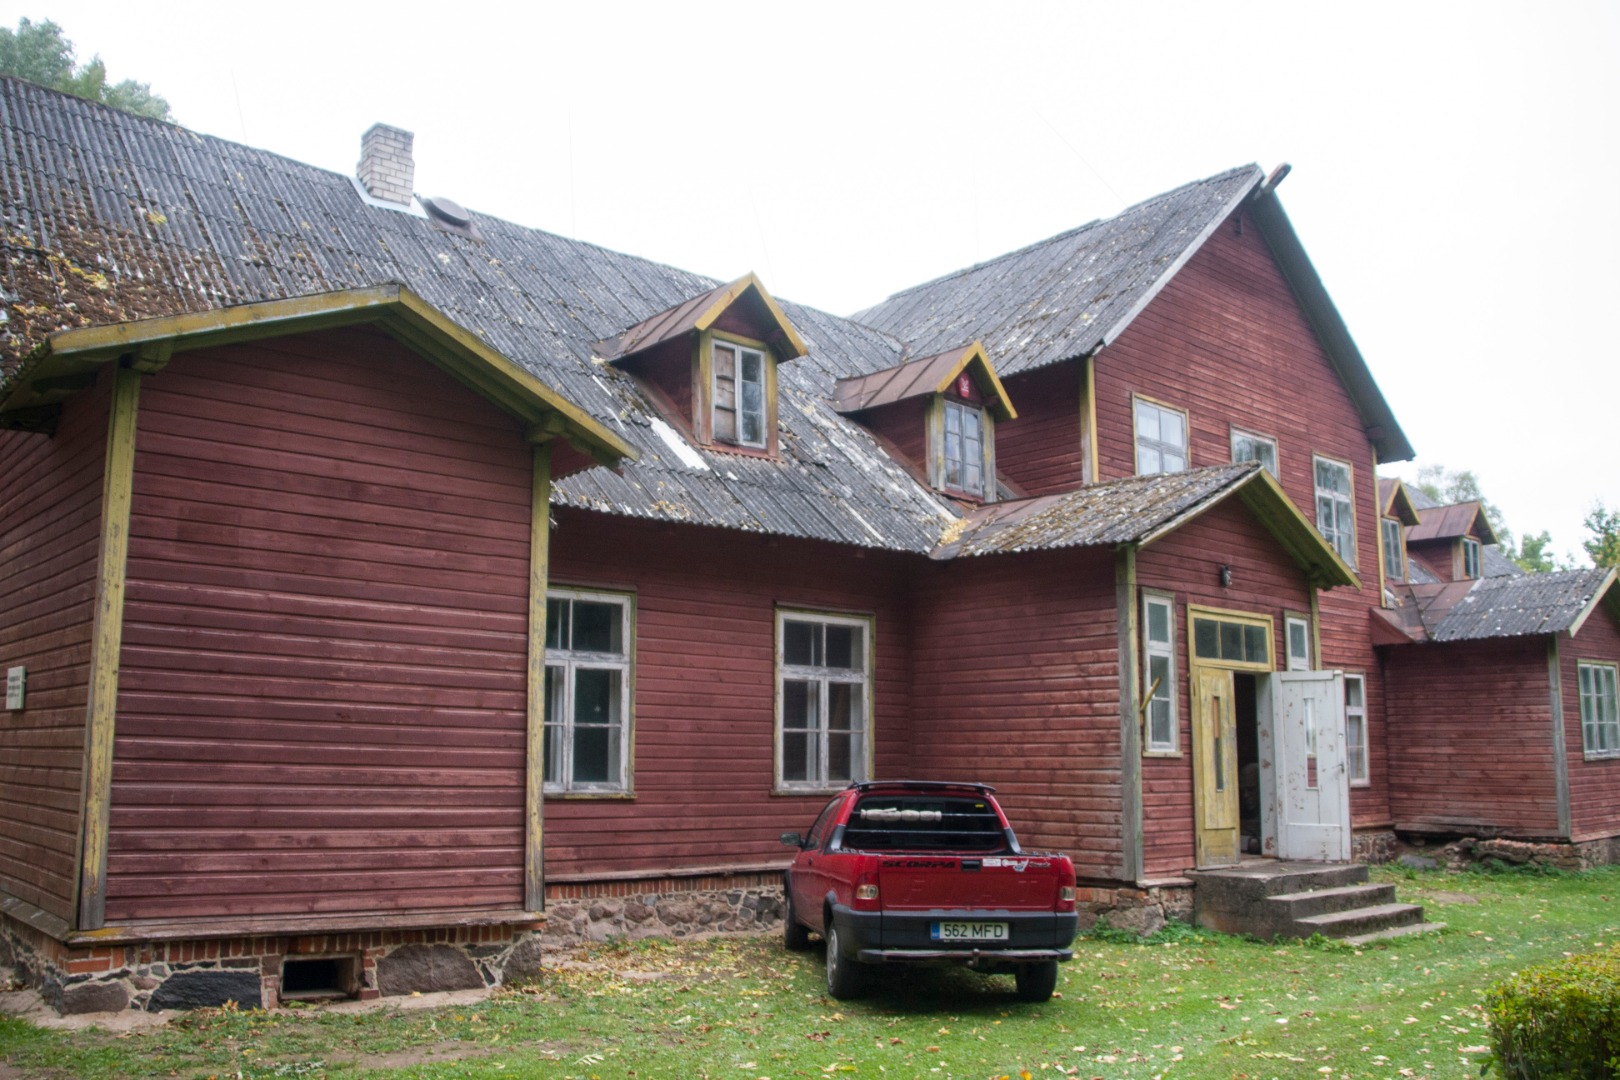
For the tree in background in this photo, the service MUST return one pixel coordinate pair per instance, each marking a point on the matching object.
(39, 53)
(1446, 486)
(1604, 525)
(1533, 555)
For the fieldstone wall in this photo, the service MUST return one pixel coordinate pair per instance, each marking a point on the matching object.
(752, 909)
(1143, 911)
(1454, 854)
(1374, 846)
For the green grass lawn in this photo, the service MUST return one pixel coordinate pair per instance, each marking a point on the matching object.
(1184, 1004)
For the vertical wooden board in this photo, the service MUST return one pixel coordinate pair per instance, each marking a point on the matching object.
(534, 883)
(326, 641)
(50, 529)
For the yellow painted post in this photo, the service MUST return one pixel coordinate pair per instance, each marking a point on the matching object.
(1088, 421)
(534, 877)
(107, 639)
(1130, 713)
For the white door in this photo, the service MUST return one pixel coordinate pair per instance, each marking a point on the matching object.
(1305, 795)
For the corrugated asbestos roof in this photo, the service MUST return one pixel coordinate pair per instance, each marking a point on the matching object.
(109, 217)
(1058, 299)
(1116, 512)
(1502, 607)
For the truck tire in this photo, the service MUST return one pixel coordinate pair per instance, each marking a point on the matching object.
(844, 976)
(795, 935)
(1036, 981)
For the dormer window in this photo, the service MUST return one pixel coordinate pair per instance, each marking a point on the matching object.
(709, 364)
(939, 414)
(1470, 558)
(1394, 550)
(738, 393)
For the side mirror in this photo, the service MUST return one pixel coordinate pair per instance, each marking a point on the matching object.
(792, 839)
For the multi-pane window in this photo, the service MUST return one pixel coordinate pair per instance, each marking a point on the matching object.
(739, 394)
(1247, 446)
(1297, 631)
(1159, 672)
(1161, 439)
(964, 448)
(1600, 718)
(1233, 640)
(1470, 558)
(1335, 513)
(1355, 727)
(824, 690)
(587, 691)
(1394, 550)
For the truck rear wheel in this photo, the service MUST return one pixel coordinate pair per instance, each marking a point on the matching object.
(795, 935)
(844, 976)
(1036, 981)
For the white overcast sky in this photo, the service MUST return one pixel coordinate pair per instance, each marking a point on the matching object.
(1456, 165)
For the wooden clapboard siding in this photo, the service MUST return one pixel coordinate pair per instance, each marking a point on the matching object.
(1594, 786)
(1040, 451)
(322, 699)
(704, 711)
(1471, 744)
(1016, 685)
(904, 428)
(50, 524)
(1265, 581)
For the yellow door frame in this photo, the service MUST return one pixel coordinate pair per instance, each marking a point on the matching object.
(1216, 824)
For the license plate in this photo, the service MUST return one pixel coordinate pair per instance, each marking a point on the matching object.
(969, 931)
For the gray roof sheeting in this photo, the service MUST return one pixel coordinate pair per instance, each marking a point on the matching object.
(175, 221)
(1529, 604)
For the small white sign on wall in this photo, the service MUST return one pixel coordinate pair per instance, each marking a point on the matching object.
(16, 679)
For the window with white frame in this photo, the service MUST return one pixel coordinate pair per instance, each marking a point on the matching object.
(1394, 550)
(1161, 439)
(587, 722)
(824, 693)
(739, 394)
(1355, 727)
(963, 448)
(1335, 508)
(1247, 446)
(1470, 558)
(1159, 672)
(1600, 717)
(1297, 629)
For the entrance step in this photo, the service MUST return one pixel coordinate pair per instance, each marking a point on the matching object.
(1271, 899)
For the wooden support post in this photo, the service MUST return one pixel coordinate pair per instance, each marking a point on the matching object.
(1555, 689)
(534, 876)
(1130, 730)
(107, 638)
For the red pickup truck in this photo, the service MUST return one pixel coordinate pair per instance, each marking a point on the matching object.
(920, 871)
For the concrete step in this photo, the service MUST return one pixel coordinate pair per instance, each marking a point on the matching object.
(1366, 920)
(1300, 905)
(1394, 933)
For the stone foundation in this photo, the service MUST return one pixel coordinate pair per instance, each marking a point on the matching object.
(1374, 846)
(673, 907)
(247, 971)
(1144, 911)
(1455, 853)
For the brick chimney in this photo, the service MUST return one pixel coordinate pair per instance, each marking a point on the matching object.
(386, 170)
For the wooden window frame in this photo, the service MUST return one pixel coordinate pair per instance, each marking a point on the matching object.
(1170, 691)
(1342, 540)
(1275, 468)
(1397, 548)
(1599, 723)
(1470, 559)
(986, 456)
(1290, 621)
(823, 677)
(740, 346)
(1197, 613)
(570, 662)
(1138, 400)
(1355, 748)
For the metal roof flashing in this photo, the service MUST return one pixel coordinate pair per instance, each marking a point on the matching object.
(414, 208)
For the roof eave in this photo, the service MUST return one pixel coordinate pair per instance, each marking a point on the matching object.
(1378, 420)
(70, 358)
(1294, 531)
(1605, 591)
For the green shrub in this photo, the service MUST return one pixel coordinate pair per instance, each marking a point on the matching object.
(1558, 1020)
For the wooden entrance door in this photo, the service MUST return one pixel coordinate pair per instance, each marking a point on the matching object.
(1307, 746)
(1215, 771)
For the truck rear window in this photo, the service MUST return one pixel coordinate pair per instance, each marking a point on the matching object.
(924, 823)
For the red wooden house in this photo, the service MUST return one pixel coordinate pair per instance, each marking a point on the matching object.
(1095, 522)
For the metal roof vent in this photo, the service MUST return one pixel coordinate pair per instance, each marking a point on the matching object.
(451, 216)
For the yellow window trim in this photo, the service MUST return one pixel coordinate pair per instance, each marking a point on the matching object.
(1247, 618)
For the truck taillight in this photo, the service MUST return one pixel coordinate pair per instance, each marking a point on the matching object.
(1066, 894)
(1066, 885)
(866, 891)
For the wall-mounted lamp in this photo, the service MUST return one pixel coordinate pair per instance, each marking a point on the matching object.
(1226, 577)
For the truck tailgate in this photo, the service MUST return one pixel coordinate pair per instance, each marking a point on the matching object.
(983, 883)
